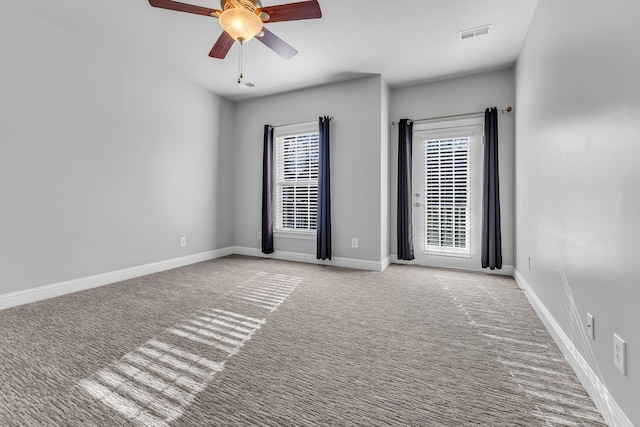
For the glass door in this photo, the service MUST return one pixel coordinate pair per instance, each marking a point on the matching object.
(447, 189)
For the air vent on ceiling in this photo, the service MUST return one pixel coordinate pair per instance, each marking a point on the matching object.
(247, 85)
(474, 32)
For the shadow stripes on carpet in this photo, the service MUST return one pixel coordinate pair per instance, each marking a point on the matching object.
(155, 383)
(522, 347)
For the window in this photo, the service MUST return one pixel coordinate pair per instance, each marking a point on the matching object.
(296, 157)
(446, 183)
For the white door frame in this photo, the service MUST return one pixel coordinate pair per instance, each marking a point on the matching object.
(473, 127)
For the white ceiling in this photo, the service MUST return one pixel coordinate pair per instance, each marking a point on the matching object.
(406, 41)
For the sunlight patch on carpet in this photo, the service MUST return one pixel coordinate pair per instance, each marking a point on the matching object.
(266, 291)
(558, 400)
(155, 383)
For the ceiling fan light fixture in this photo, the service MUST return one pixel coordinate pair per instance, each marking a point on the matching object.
(240, 23)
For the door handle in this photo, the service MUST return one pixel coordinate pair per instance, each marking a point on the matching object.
(418, 205)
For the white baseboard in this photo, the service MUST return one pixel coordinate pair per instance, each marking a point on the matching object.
(358, 264)
(594, 386)
(57, 289)
(611, 412)
(62, 288)
(506, 270)
(394, 260)
(385, 263)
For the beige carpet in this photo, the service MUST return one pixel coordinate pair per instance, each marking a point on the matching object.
(245, 341)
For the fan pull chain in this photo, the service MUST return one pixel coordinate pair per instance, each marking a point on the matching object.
(241, 76)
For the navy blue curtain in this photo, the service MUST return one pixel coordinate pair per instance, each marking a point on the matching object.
(405, 196)
(491, 234)
(323, 236)
(267, 189)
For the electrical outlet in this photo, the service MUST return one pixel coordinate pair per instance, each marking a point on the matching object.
(183, 241)
(354, 242)
(619, 354)
(259, 235)
(590, 326)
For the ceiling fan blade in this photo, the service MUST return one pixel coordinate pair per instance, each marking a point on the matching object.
(276, 44)
(184, 7)
(222, 46)
(293, 11)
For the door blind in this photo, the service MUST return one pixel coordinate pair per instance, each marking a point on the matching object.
(446, 189)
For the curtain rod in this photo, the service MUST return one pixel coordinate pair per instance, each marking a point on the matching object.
(299, 123)
(506, 110)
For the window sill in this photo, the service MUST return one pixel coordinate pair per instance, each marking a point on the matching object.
(295, 235)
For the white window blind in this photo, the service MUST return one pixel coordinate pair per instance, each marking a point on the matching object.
(296, 160)
(446, 185)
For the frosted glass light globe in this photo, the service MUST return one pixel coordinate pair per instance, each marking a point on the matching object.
(240, 23)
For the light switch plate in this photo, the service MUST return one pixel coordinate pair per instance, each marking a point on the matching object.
(590, 326)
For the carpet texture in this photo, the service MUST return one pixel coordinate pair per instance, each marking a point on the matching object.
(243, 341)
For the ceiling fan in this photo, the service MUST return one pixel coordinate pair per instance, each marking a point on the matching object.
(243, 20)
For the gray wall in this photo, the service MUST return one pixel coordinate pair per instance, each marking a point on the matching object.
(356, 176)
(104, 162)
(456, 96)
(577, 178)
